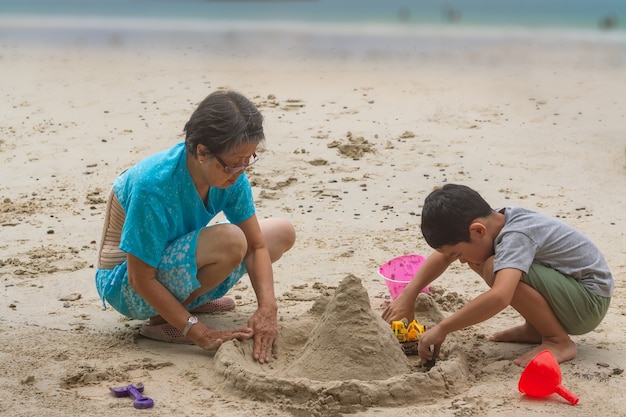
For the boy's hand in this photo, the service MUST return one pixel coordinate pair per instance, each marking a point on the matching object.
(432, 337)
(399, 309)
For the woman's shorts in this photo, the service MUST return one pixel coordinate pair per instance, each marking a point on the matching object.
(177, 272)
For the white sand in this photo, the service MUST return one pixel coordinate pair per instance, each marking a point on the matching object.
(536, 124)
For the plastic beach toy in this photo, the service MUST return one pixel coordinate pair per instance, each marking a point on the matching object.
(542, 377)
(397, 272)
(135, 392)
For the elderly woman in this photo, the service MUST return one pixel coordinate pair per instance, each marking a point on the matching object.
(159, 257)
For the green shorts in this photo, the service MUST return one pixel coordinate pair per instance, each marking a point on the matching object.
(578, 309)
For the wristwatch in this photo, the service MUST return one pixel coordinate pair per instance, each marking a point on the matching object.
(190, 322)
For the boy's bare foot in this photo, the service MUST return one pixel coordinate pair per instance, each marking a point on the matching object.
(524, 333)
(562, 352)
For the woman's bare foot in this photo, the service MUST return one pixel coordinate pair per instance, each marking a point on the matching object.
(562, 352)
(524, 333)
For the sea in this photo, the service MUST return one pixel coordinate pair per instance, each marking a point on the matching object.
(309, 24)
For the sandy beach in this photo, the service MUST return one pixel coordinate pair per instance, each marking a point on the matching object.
(355, 141)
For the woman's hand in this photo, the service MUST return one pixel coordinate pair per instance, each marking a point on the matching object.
(211, 339)
(264, 324)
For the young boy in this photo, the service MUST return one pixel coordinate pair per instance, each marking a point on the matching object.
(553, 275)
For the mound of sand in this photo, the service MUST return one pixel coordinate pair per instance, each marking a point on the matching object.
(340, 356)
(351, 335)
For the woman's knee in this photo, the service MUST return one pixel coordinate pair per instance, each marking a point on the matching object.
(279, 235)
(288, 234)
(223, 241)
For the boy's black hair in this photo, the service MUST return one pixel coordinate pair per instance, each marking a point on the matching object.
(448, 213)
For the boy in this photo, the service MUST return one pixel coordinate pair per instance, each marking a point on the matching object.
(553, 275)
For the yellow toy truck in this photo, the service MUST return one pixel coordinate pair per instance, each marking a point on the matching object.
(408, 334)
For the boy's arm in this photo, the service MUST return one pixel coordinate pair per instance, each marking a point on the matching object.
(404, 305)
(481, 308)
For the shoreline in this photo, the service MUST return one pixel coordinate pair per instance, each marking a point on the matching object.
(382, 44)
(164, 26)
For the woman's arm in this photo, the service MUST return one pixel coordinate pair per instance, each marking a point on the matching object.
(142, 277)
(264, 321)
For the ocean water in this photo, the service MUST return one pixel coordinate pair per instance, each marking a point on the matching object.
(527, 13)
(314, 24)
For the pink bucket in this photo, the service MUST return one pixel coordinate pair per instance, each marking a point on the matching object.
(397, 272)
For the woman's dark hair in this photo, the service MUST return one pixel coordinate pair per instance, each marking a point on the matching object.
(448, 213)
(223, 121)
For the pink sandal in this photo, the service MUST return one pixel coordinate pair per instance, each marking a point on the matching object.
(165, 333)
(214, 306)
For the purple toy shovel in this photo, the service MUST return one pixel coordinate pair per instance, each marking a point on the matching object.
(135, 392)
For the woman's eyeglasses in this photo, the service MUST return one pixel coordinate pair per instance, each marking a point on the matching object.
(254, 158)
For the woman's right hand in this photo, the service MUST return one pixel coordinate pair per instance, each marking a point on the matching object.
(211, 339)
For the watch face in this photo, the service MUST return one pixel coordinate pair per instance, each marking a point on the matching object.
(190, 322)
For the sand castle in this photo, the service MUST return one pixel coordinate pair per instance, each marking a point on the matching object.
(341, 355)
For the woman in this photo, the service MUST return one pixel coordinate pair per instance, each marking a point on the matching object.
(160, 260)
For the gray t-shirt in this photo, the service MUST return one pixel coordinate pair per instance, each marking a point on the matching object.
(528, 237)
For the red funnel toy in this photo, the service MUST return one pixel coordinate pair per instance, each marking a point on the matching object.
(542, 377)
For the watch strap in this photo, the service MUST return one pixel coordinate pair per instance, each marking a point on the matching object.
(190, 322)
